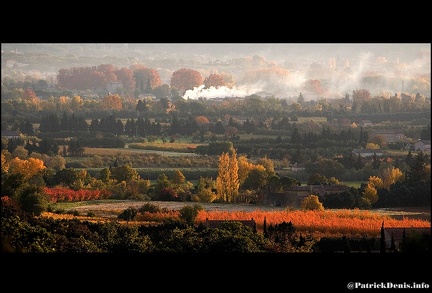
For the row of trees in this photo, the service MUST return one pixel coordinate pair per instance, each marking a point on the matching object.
(136, 79)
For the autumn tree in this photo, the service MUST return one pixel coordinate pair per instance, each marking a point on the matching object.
(179, 183)
(311, 202)
(370, 194)
(227, 182)
(76, 103)
(204, 192)
(359, 97)
(112, 102)
(387, 177)
(268, 164)
(126, 77)
(146, 79)
(202, 121)
(56, 162)
(178, 178)
(27, 167)
(314, 87)
(234, 182)
(223, 177)
(244, 167)
(4, 161)
(390, 176)
(31, 101)
(214, 80)
(186, 79)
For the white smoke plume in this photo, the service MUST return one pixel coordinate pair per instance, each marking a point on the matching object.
(220, 92)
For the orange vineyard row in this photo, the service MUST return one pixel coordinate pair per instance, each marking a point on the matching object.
(340, 222)
(328, 223)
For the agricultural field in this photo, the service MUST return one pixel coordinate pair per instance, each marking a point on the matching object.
(328, 223)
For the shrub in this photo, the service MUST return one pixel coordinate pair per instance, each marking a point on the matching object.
(149, 207)
(189, 213)
(128, 214)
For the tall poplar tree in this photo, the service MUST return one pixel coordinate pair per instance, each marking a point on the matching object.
(222, 185)
(227, 181)
(234, 182)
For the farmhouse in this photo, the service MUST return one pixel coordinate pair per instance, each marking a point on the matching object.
(113, 87)
(368, 152)
(295, 195)
(10, 134)
(423, 145)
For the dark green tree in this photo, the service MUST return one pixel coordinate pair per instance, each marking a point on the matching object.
(128, 214)
(382, 239)
(189, 213)
(33, 200)
(417, 171)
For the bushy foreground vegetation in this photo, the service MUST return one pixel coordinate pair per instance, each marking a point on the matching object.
(144, 230)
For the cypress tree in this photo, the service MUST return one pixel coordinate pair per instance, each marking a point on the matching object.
(382, 240)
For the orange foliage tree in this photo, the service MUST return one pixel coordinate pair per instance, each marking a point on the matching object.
(202, 121)
(186, 79)
(146, 79)
(215, 80)
(112, 102)
(126, 77)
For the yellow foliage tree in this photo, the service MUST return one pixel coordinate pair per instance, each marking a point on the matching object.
(370, 193)
(387, 178)
(227, 181)
(372, 146)
(28, 168)
(390, 176)
(76, 103)
(223, 177)
(376, 182)
(311, 202)
(244, 168)
(4, 163)
(234, 181)
(268, 165)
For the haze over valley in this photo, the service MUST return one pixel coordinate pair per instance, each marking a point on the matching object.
(282, 70)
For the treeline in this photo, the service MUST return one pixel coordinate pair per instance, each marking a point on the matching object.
(236, 179)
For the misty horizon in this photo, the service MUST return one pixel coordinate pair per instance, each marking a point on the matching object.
(279, 69)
